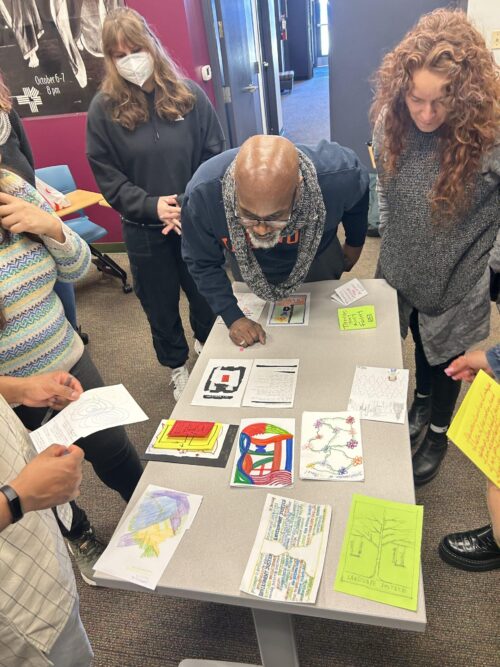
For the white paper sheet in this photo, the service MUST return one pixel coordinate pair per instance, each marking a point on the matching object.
(146, 540)
(264, 454)
(379, 394)
(251, 305)
(95, 410)
(292, 311)
(331, 446)
(214, 454)
(272, 383)
(287, 558)
(349, 292)
(223, 383)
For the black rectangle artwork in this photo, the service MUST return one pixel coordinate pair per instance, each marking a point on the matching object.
(51, 54)
(219, 462)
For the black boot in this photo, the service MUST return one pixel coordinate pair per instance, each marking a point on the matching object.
(419, 417)
(428, 457)
(474, 550)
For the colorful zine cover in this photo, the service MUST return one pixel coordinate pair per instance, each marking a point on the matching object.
(287, 558)
(362, 317)
(146, 540)
(290, 311)
(331, 446)
(380, 557)
(264, 456)
(476, 427)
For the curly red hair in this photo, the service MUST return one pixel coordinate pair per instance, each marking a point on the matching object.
(445, 43)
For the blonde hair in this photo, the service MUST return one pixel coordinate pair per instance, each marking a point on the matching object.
(5, 101)
(128, 105)
(445, 43)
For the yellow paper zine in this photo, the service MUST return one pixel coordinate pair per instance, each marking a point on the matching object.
(187, 443)
(476, 427)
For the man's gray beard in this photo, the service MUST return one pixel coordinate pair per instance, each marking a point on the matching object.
(264, 244)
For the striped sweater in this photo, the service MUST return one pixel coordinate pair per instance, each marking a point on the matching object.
(37, 336)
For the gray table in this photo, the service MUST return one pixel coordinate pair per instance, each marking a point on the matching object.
(211, 558)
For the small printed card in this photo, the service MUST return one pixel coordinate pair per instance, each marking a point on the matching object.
(362, 317)
(349, 292)
(290, 311)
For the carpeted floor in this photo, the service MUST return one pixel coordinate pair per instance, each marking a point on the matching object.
(138, 629)
(306, 110)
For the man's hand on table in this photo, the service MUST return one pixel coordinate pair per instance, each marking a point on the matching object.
(245, 332)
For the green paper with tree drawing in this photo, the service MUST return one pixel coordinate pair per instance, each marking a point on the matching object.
(380, 558)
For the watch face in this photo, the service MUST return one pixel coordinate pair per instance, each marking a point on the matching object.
(13, 501)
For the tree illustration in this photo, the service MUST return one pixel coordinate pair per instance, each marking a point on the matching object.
(383, 531)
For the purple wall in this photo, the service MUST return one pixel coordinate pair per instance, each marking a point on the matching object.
(61, 139)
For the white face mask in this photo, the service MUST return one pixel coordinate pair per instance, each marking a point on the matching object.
(136, 67)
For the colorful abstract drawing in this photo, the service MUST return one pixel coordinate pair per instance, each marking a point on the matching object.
(159, 517)
(266, 456)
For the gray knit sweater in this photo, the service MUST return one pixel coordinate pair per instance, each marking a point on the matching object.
(434, 266)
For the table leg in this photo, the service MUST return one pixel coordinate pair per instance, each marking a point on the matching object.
(276, 639)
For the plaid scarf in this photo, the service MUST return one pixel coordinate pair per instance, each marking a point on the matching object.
(308, 216)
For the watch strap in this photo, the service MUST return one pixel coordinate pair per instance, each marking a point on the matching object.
(13, 501)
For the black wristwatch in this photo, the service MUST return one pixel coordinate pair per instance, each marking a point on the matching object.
(14, 502)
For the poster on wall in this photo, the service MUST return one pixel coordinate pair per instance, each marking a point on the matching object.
(50, 53)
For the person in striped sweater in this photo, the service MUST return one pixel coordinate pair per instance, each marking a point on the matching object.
(36, 248)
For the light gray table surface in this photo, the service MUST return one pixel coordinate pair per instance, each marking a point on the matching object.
(211, 558)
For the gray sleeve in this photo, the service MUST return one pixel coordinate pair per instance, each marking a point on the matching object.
(377, 141)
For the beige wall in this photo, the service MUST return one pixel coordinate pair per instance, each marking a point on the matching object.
(486, 16)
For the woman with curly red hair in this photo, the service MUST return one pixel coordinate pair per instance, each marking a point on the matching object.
(437, 145)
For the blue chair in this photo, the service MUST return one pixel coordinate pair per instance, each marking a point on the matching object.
(60, 177)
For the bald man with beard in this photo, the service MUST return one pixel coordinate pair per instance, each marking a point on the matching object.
(274, 208)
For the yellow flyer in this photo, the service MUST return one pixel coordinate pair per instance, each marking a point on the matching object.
(476, 427)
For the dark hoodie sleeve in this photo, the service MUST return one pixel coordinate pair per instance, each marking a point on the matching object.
(205, 259)
(130, 200)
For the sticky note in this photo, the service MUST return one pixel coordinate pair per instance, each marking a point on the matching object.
(476, 426)
(380, 557)
(190, 428)
(362, 317)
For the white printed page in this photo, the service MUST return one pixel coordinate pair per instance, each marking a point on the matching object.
(223, 383)
(379, 394)
(287, 558)
(272, 383)
(95, 410)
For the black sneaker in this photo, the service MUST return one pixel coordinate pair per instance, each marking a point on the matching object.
(86, 550)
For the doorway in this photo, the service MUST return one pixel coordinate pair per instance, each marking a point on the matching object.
(305, 47)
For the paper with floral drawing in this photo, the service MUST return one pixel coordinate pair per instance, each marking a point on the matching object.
(331, 446)
(287, 558)
(147, 538)
(379, 394)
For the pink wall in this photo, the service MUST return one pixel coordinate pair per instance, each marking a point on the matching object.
(61, 139)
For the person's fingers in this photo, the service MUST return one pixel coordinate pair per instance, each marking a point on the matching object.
(75, 451)
(55, 450)
(262, 335)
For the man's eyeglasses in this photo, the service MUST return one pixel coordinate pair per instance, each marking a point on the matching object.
(249, 223)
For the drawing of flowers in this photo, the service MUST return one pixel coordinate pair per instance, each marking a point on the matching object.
(351, 444)
(350, 420)
(342, 471)
(357, 461)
